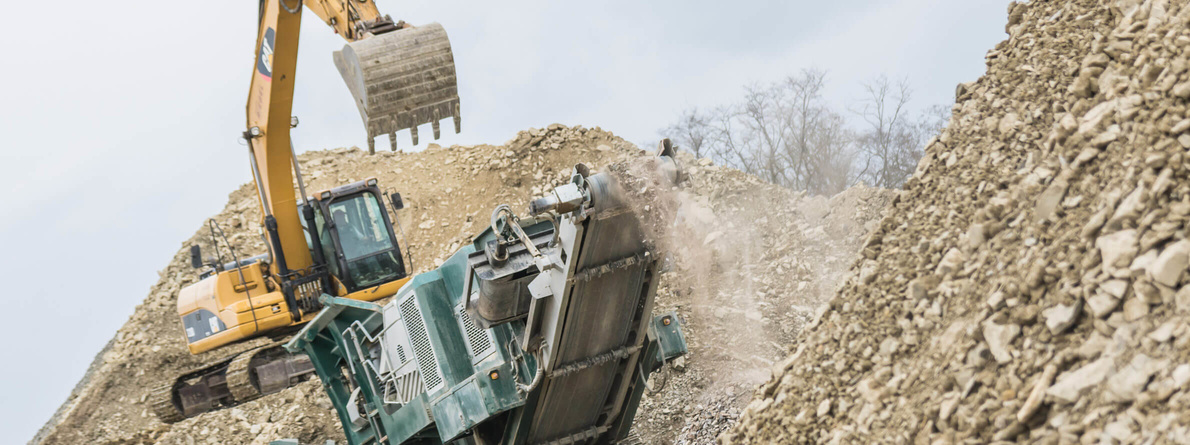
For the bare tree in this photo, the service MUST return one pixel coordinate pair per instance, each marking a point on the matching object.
(931, 123)
(762, 122)
(729, 145)
(888, 143)
(832, 157)
(817, 142)
(692, 131)
(712, 134)
(805, 113)
(787, 134)
(783, 132)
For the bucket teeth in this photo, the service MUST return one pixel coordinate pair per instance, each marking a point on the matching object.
(458, 118)
(402, 79)
(434, 124)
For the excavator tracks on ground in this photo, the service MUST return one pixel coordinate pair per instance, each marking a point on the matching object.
(161, 400)
(228, 382)
(239, 377)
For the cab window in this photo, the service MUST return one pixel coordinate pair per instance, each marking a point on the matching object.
(371, 256)
(361, 227)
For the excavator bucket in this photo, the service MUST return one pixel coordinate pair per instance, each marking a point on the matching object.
(402, 79)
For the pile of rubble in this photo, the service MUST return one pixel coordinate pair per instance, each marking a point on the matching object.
(764, 257)
(1028, 285)
(750, 262)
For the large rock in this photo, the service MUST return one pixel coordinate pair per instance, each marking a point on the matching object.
(1117, 249)
(1131, 380)
(1072, 385)
(999, 338)
(1061, 317)
(1102, 304)
(1170, 264)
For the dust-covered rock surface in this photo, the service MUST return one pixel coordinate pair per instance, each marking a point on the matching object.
(748, 263)
(1028, 285)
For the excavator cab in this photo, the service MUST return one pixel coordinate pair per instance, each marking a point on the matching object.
(355, 236)
(356, 256)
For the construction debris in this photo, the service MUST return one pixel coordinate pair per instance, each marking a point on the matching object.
(1029, 284)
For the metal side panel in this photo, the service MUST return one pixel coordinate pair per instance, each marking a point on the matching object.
(407, 421)
(459, 410)
(419, 339)
(396, 341)
(606, 311)
(480, 343)
(551, 309)
(399, 369)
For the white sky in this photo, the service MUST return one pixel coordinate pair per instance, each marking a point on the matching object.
(120, 123)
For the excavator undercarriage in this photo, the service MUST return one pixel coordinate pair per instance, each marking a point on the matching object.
(230, 381)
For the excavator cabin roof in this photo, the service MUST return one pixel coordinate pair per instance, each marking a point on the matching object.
(343, 190)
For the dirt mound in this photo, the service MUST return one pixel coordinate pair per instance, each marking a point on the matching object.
(769, 283)
(1028, 284)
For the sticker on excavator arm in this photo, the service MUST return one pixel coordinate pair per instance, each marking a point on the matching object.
(265, 63)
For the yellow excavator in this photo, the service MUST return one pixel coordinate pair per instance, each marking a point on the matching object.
(338, 241)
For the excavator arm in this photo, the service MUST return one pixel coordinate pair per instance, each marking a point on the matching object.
(352, 20)
(270, 106)
(400, 79)
(400, 76)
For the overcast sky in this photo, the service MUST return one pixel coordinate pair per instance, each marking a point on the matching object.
(120, 124)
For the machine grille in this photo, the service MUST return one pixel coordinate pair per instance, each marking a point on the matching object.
(407, 386)
(306, 293)
(481, 344)
(419, 338)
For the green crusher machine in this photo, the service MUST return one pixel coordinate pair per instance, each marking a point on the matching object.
(541, 331)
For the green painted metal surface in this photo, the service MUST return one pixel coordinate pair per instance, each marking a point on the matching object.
(472, 397)
(468, 376)
(667, 330)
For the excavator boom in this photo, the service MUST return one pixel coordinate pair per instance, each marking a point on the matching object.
(400, 77)
(270, 107)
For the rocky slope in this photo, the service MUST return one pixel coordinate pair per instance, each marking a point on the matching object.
(1028, 285)
(753, 262)
(750, 263)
